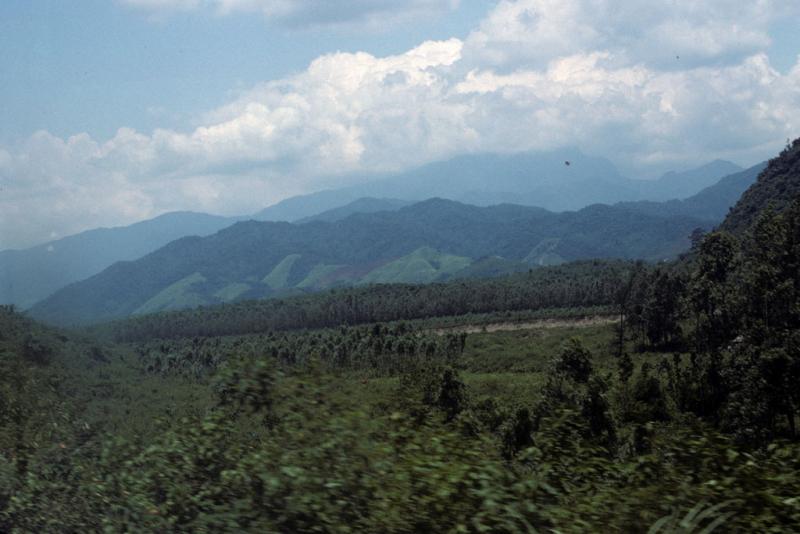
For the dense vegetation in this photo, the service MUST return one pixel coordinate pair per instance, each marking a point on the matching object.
(578, 285)
(27, 276)
(682, 415)
(712, 203)
(777, 187)
(398, 409)
(428, 241)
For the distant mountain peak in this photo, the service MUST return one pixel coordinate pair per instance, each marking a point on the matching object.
(719, 167)
(359, 205)
(432, 240)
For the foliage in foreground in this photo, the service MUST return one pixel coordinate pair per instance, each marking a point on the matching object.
(290, 454)
(692, 426)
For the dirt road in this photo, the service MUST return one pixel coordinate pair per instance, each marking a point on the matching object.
(529, 325)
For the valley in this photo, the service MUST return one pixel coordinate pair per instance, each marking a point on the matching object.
(400, 266)
(617, 393)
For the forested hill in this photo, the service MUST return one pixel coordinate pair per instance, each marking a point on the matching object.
(777, 186)
(29, 275)
(576, 287)
(564, 179)
(361, 205)
(425, 242)
(712, 203)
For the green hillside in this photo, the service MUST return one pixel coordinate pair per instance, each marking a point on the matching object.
(777, 186)
(232, 291)
(423, 265)
(544, 253)
(711, 204)
(175, 296)
(427, 241)
(592, 396)
(278, 277)
(27, 276)
(316, 277)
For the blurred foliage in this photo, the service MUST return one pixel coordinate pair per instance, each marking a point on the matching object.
(682, 418)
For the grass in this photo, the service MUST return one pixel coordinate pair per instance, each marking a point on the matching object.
(423, 265)
(317, 273)
(120, 397)
(508, 366)
(279, 276)
(231, 291)
(529, 351)
(175, 296)
(542, 254)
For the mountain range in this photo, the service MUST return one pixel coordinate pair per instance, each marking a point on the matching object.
(428, 241)
(431, 240)
(29, 275)
(535, 179)
(557, 181)
(711, 204)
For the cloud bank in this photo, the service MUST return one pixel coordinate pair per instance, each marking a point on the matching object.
(678, 83)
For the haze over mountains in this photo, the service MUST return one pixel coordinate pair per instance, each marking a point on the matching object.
(534, 179)
(29, 275)
(710, 204)
(428, 241)
(557, 181)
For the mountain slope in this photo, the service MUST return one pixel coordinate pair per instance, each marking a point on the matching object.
(421, 266)
(777, 186)
(534, 179)
(361, 205)
(257, 259)
(559, 180)
(680, 185)
(29, 275)
(711, 204)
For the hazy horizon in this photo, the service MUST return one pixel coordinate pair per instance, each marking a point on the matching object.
(118, 111)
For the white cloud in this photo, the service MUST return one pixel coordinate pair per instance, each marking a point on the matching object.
(532, 32)
(506, 88)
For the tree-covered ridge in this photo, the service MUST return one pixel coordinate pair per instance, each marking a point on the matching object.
(681, 418)
(712, 203)
(239, 262)
(28, 276)
(336, 412)
(778, 185)
(359, 205)
(576, 285)
(528, 178)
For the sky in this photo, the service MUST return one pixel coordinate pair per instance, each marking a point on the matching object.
(114, 111)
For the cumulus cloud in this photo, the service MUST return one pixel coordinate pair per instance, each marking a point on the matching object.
(308, 13)
(516, 83)
(531, 32)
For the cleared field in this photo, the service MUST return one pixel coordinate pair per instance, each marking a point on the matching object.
(581, 322)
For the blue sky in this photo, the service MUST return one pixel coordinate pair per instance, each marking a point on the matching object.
(95, 65)
(114, 111)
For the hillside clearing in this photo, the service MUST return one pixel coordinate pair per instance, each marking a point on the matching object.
(583, 322)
